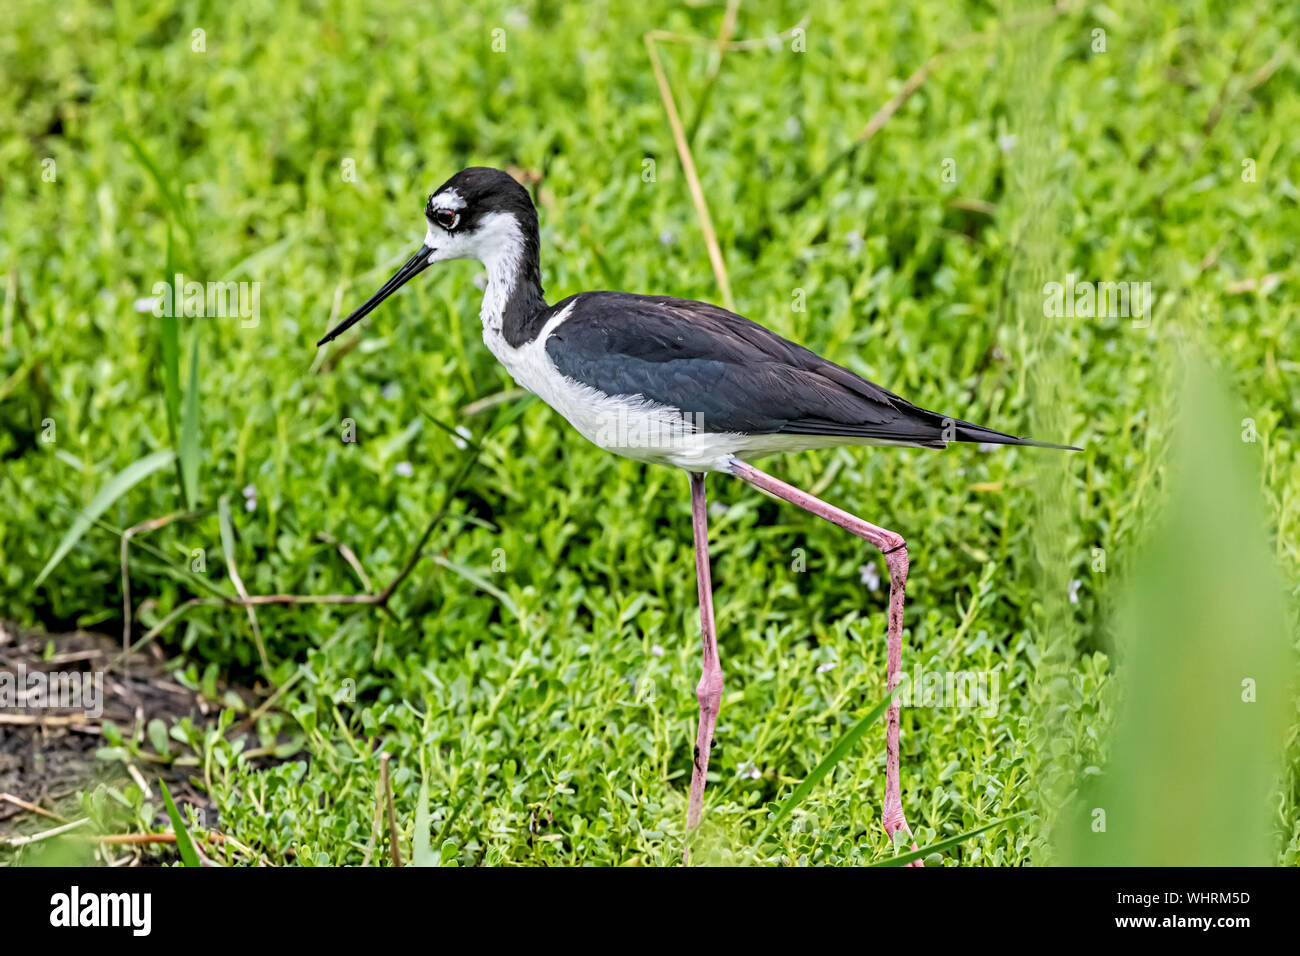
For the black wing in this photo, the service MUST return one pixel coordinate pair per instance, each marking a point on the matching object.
(734, 374)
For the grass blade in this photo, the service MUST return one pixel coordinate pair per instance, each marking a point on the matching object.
(117, 486)
(228, 546)
(828, 762)
(227, 525)
(171, 347)
(189, 855)
(905, 858)
(476, 579)
(171, 373)
(170, 197)
(422, 852)
(189, 441)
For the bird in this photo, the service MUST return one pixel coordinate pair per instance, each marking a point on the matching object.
(682, 383)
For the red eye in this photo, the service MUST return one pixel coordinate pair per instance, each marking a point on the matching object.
(446, 218)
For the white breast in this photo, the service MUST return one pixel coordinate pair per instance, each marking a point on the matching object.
(612, 422)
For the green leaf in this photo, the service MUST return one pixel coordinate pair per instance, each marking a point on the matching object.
(158, 736)
(189, 855)
(117, 486)
(423, 849)
(189, 443)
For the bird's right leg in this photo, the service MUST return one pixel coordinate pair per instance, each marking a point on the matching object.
(894, 548)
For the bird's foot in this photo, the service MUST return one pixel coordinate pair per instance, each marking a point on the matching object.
(893, 819)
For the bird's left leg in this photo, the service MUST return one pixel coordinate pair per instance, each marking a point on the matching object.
(709, 690)
(894, 548)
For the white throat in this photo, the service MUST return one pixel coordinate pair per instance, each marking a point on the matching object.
(500, 244)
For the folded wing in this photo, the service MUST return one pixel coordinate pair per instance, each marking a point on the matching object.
(734, 374)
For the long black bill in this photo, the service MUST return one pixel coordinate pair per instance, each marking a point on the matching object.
(414, 266)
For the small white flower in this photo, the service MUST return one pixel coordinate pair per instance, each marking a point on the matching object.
(656, 650)
(250, 491)
(667, 238)
(405, 469)
(1074, 590)
(1007, 142)
(146, 304)
(870, 576)
(854, 241)
(717, 510)
(748, 770)
(391, 391)
(826, 668)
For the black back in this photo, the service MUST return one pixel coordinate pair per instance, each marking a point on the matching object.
(737, 375)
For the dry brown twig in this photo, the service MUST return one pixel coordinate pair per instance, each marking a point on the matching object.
(43, 720)
(378, 599)
(31, 807)
(147, 839)
(349, 556)
(720, 45)
(143, 527)
(18, 841)
(692, 177)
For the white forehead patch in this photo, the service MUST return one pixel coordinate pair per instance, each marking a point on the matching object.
(448, 199)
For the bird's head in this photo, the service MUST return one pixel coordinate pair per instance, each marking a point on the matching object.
(480, 213)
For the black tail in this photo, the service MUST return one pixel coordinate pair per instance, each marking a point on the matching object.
(978, 433)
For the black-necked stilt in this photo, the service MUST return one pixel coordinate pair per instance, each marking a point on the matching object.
(679, 383)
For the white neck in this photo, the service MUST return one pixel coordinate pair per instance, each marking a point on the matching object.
(502, 253)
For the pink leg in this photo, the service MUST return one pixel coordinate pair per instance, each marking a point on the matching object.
(894, 549)
(709, 690)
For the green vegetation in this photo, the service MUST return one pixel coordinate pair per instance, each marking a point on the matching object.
(533, 677)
